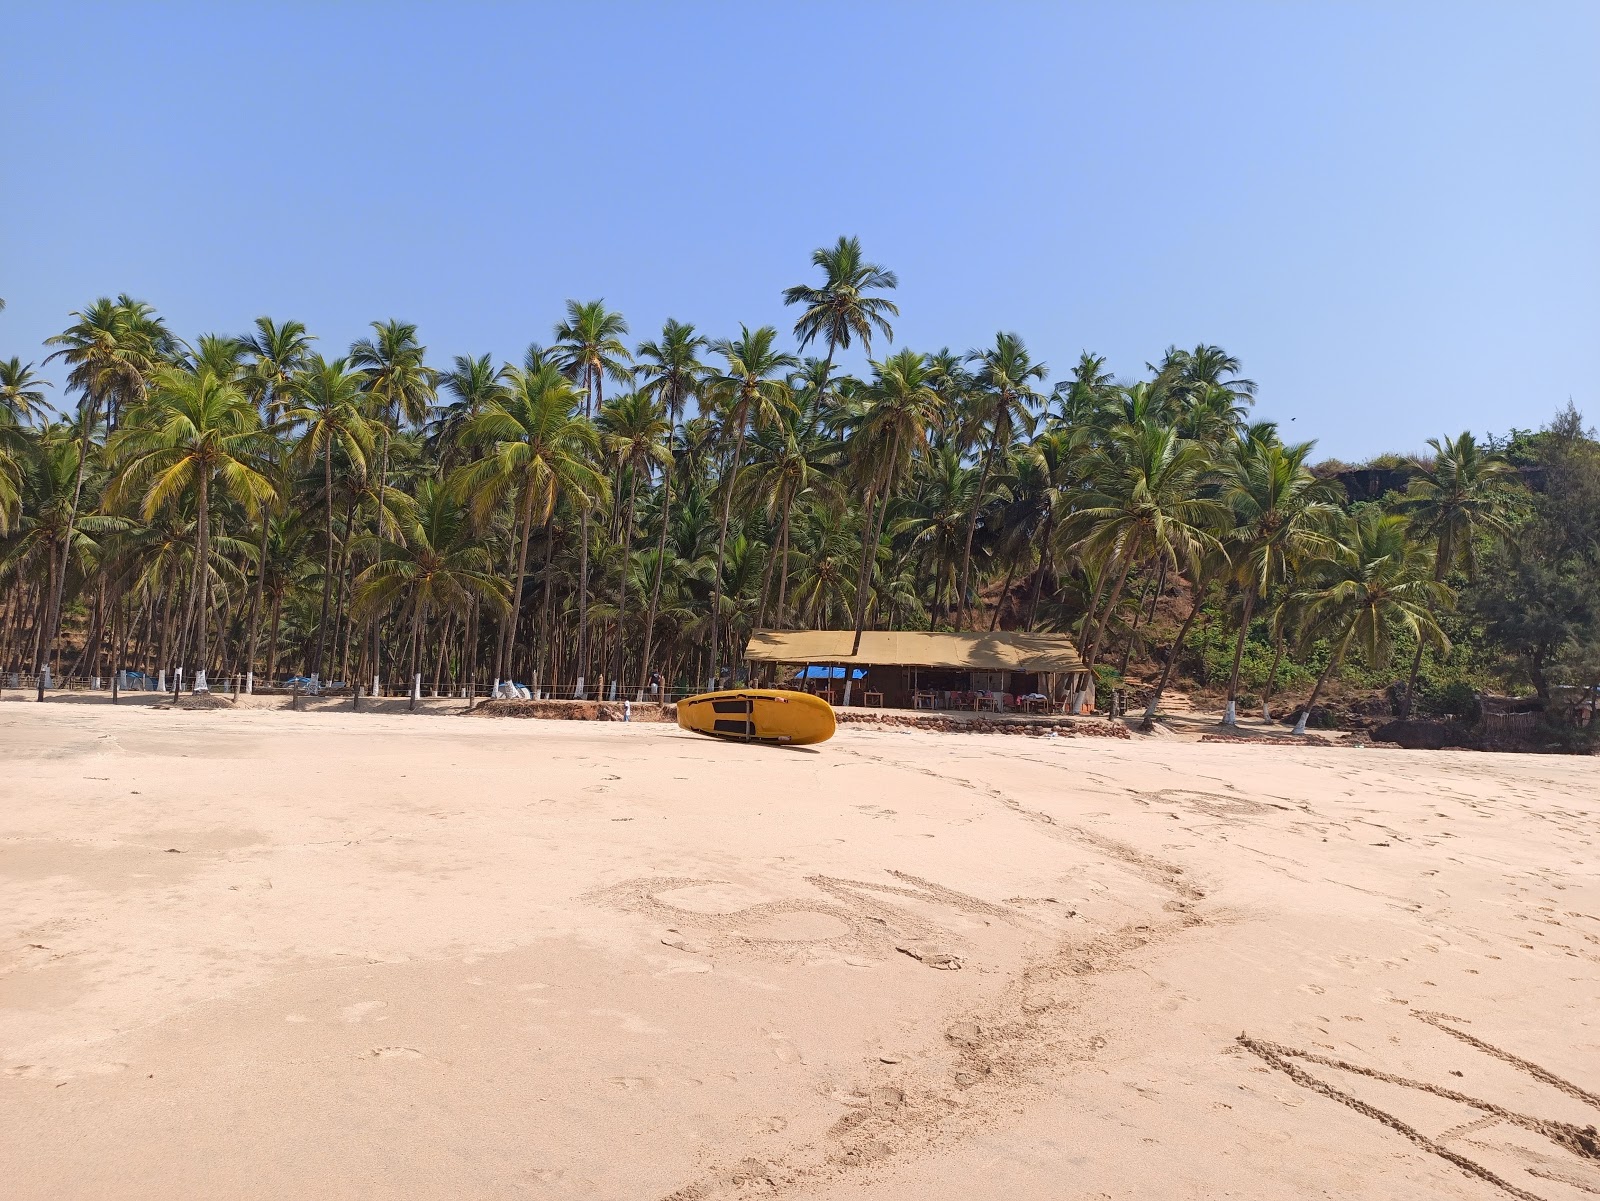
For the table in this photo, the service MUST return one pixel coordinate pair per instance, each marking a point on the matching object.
(873, 700)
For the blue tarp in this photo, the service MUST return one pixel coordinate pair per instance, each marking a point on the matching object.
(828, 673)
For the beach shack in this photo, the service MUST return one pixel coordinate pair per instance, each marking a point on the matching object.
(999, 671)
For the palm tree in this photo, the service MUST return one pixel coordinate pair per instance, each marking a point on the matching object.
(589, 349)
(891, 423)
(540, 448)
(437, 568)
(672, 373)
(1000, 407)
(1146, 504)
(113, 348)
(748, 390)
(1462, 494)
(1281, 512)
(21, 392)
(840, 310)
(326, 401)
(1211, 566)
(276, 352)
(635, 433)
(1375, 585)
(398, 383)
(198, 428)
(475, 384)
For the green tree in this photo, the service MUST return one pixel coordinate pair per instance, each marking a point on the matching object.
(198, 430)
(749, 390)
(1000, 407)
(841, 309)
(1282, 513)
(326, 402)
(636, 436)
(1463, 494)
(1375, 584)
(540, 447)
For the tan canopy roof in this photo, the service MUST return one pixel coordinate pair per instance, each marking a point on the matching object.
(969, 651)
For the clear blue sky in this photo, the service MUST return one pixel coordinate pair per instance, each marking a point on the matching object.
(1390, 211)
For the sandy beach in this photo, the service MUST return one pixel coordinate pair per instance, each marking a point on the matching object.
(259, 954)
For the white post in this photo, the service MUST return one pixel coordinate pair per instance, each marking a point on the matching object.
(376, 689)
(200, 681)
(44, 670)
(847, 682)
(1230, 716)
(1300, 726)
(416, 687)
(577, 692)
(249, 683)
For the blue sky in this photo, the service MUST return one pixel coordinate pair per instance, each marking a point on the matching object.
(1388, 211)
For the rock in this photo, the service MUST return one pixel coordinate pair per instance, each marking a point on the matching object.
(930, 955)
(1420, 734)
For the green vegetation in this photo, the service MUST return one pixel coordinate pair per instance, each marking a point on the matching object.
(604, 510)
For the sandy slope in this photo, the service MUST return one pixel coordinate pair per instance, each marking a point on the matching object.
(265, 954)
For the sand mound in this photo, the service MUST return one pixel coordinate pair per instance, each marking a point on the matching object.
(577, 710)
(200, 700)
(1085, 728)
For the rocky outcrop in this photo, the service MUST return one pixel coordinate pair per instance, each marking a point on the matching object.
(1420, 734)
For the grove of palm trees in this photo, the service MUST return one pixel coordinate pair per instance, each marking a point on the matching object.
(623, 502)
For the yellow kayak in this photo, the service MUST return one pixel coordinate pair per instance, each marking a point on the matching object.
(758, 715)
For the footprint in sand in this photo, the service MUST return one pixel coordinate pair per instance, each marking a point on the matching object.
(395, 1053)
(362, 1010)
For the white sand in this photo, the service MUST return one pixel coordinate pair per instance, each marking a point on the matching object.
(277, 955)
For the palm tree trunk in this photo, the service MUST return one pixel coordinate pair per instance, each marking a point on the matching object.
(261, 579)
(1441, 566)
(202, 556)
(1148, 722)
(1011, 574)
(1230, 715)
(966, 550)
(582, 658)
(547, 636)
(783, 568)
(1266, 694)
(722, 545)
(870, 540)
(58, 584)
(622, 585)
(655, 586)
(1316, 690)
(327, 572)
(1105, 622)
(502, 667)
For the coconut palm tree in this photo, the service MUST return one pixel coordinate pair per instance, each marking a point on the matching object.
(476, 383)
(749, 390)
(1281, 516)
(21, 392)
(892, 421)
(399, 385)
(437, 568)
(841, 310)
(1146, 503)
(635, 433)
(198, 430)
(590, 350)
(326, 402)
(1374, 586)
(275, 353)
(1464, 493)
(1000, 406)
(539, 449)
